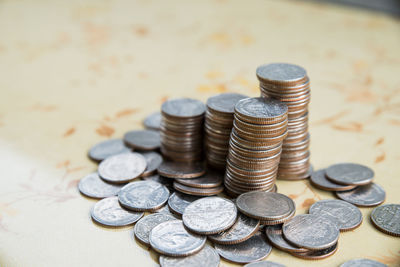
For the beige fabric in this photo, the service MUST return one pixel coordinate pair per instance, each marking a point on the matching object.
(74, 74)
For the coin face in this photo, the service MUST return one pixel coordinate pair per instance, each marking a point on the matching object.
(210, 179)
(143, 196)
(350, 174)
(181, 169)
(224, 103)
(183, 107)
(108, 212)
(172, 239)
(316, 254)
(346, 215)
(243, 229)
(265, 205)
(153, 160)
(280, 72)
(209, 215)
(254, 249)
(205, 257)
(153, 121)
(362, 263)
(107, 148)
(198, 191)
(144, 226)
(365, 196)
(143, 139)
(261, 108)
(387, 218)
(275, 236)
(311, 231)
(264, 264)
(92, 186)
(179, 201)
(122, 168)
(318, 179)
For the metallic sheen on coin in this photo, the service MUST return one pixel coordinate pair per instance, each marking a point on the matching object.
(179, 201)
(172, 169)
(92, 186)
(319, 180)
(183, 107)
(144, 226)
(364, 196)
(387, 219)
(280, 72)
(264, 264)
(362, 263)
(205, 257)
(275, 236)
(107, 148)
(143, 139)
(350, 174)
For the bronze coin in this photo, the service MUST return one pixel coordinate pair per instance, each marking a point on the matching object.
(182, 170)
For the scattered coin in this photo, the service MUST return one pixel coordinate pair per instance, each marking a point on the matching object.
(275, 236)
(171, 238)
(198, 191)
(179, 201)
(172, 169)
(122, 168)
(153, 160)
(316, 254)
(350, 174)
(264, 264)
(319, 180)
(205, 257)
(153, 121)
(362, 263)
(92, 186)
(364, 196)
(386, 218)
(311, 231)
(107, 148)
(144, 226)
(108, 212)
(243, 229)
(209, 215)
(346, 215)
(143, 196)
(254, 249)
(143, 139)
(165, 210)
(210, 179)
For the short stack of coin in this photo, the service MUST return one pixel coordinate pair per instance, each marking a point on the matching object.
(291, 85)
(259, 127)
(182, 129)
(218, 126)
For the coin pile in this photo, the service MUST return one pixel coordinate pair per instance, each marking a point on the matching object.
(291, 85)
(259, 127)
(218, 125)
(182, 129)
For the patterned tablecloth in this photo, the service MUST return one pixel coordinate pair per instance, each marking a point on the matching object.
(75, 73)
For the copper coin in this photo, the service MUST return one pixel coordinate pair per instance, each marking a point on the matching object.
(210, 179)
(319, 180)
(107, 148)
(143, 139)
(350, 174)
(198, 191)
(182, 170)
(153, 160)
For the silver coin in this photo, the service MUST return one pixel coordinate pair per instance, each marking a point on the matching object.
(311, 231)
(159, 179)
(143, 139)
(209, 215)
(254, 249)
(179, 201)
(224, 103)
(387, 218)
(318, 179)
(153, 121)
(364, 195)
(183, 107)
(205, 257)
(243, 229)
(172, 239)
(92, 186)
(275, 236)
(362, 263)
(165, 210)
(144, 226)
(153, 160)
(316, 254)
(281, 72)
(143, 195)
(107, 148)
(350, 174)
(259, 107)
(264, 264)
(210, 179)
(108, 212)
(346, 215)
(122, 168)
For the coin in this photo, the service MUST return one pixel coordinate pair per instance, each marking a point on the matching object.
(346, 215)
(254, 249)
(92, 186)
(265, 205)
(179, 201)
(171, 238)
(386, 218)
(318, 179)
(183, 107)
(224, 103)
(243, 229)
(172, 169)
(143, 195)
(210, 179)
(275, 236)
(364, 196)
(205, 257)
(264, 264)
(281, 73)
(107, 148)
(259, 109)
(160, 179)
(143, 139)
(144, 226)
(350, 174)
(198, 191)
(108, 212)
(153, 121)
(316, 254)
(362, 263)
(209, 215)
(165, 210)
(122, 168)
(311, 231)
(153, 160)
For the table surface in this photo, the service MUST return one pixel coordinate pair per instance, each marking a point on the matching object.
(74, 74)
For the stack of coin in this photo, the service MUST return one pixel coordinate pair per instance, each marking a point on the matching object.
(291, 85)
(259, 127)
(218, 126)
(182, 129)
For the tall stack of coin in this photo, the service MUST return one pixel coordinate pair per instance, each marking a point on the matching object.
(218, 126)
(259, 127)
(291, 85)
(182, 129)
